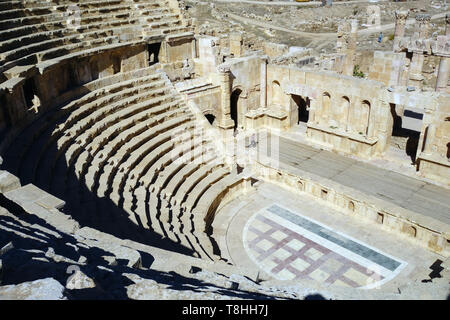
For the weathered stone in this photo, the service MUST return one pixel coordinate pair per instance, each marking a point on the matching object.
(122, 83)
(78, 280)
(9, 246)
(43, 289)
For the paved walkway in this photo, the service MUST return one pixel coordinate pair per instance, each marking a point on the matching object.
(407, 192)
(300, 240)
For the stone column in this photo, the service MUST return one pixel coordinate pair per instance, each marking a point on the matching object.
(447, 25)
(371, 124)
(263, 84)
(443, 73)
(236, 44)
(225, 101)
(415, 69)
(423, 25)
(444, 64)
(312, 110)
(400, 22)
(428, 141)
(346, 47)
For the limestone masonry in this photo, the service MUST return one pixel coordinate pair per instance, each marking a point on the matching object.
(164, 149)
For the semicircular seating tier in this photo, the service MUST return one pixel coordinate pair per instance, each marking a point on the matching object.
(129, 138)
(41, 34)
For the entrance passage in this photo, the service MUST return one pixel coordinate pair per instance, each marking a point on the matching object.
(234, 106)
(403, 138)
(211, 118)
(153, 52)
(302, 107)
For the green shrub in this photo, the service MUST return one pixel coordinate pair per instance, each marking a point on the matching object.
(358, 73)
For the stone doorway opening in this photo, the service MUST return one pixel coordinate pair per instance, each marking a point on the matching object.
(403, 138)
(302, 105)
(234, 112)
(211, 119)
(153, 53)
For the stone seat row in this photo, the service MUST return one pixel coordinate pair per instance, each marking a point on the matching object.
(132, 139)
(46, 44)
(67, 115)
(36, 7)
(77, 101)
(89, 151)
(19, 26)
(124, 133)
(97, 135)
(114, 153)
(122, 113)
(51, 13)
(149, 207)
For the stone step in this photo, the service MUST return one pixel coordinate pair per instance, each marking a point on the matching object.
(165, 177)
(104, 120)
(78, 129)
(33, 132)
(130, 152)
(144, 156)
(202, 186)
(119, 137)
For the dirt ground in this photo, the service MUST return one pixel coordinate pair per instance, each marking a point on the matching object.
(306, 26)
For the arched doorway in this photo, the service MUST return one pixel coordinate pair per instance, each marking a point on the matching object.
(302, 108)
(234, 106)
(403, 138)
(211, 119)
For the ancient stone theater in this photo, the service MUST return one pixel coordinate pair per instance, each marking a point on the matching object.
(164, 149)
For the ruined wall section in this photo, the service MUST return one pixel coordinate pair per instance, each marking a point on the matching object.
(433, 158)
(346, 114)
(35, 93)
(390, 68)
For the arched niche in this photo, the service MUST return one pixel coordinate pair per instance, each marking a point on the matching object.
(325, 108)
(277, 93)
(358, 121)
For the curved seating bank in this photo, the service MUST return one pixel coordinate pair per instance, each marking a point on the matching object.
(87, 115)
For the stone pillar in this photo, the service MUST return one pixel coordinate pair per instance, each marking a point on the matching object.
(400, 22)
(443, 73)
(346, 46)
(447, 25)
(371, 124)
(423, 25)
(444, 63)
(312, 110)
(263, 84)
(431, 132)
(415, 70)
(194, 24)
(236, 44)
(353, 35)
(225, 101)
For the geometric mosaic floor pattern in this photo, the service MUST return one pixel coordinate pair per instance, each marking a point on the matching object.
(290, 246)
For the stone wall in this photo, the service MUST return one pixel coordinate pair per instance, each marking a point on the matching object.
(41, 91)
(346, 113)
(434, 145)
(389, 68)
